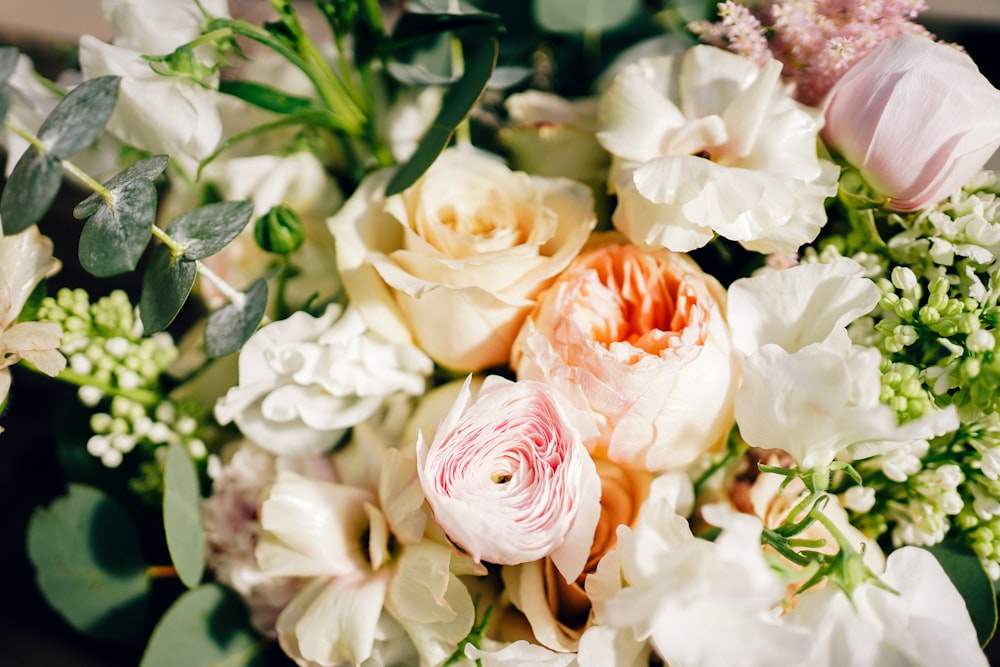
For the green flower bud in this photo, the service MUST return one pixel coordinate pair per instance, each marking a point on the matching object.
(279, 230)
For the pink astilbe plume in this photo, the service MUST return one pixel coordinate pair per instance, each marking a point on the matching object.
(816, 40)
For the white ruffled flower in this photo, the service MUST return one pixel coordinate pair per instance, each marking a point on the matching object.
(175, 115)
(303, 381)
(924, 622)
(707, 143)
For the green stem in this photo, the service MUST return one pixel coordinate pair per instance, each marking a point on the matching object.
(146, 397)
(68, 166)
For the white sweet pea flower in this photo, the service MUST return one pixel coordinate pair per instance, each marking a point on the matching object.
(303, 381)
(707, 143)
(924, 622)
(175, 115)
(700, 602)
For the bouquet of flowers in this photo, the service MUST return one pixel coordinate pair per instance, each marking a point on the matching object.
(470, 332)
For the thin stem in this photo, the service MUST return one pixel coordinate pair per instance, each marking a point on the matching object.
(161, 571)
(68, 166)
(146, 397)
(235, 297)
(176, 249)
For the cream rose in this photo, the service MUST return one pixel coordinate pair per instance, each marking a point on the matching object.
(641, 338)
(457, 260)
(509, 479)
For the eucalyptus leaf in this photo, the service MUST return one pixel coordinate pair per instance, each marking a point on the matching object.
(86, 553)
(166, 284)
(265, 97)
(182, 517)
(116, 235)
(4, 102)
(80, 117)
(966, 572)
(30, 190)
(457, 102)
(449, 7)
(229, 327)
(578, 16)
(148, 168)
(204, 627)
(8, 59)
(206, 230)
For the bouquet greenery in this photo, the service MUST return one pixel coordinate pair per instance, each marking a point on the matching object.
(549, 332)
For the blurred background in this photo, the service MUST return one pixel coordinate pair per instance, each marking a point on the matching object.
(31, 634)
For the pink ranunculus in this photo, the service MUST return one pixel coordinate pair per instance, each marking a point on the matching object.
(509, 479)
(641, 338)
(916, 117)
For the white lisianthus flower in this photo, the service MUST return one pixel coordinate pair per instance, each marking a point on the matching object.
(708, 143)
(806, 389)
(375, 564)
(303, 381)
(922, 621)
(700, 602)
(175, 115)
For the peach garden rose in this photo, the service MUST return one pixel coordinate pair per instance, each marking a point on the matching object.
(641, 338)
(457, 260)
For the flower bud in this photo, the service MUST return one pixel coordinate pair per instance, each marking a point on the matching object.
(279, 230)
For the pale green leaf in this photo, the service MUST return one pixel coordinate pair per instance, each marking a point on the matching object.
(966, 572)
(182, 518)
(166, 284)
(205, 627)
(8, 59)
(79, 117)
(85, 550)
(30, 190)
(233, 324)
(578, 16)
(115, 237)
(206, 230)
(455, 106)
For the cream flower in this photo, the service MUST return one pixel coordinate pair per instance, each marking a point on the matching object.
(509, 479)
(303, 381)
(457, 260)
(161, 114)
(707, 143)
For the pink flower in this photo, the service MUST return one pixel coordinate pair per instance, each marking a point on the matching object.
(641, 339)
(917, 118)
(509, 479)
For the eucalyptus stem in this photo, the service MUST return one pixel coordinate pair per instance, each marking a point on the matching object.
(236, 297)
(67, 166)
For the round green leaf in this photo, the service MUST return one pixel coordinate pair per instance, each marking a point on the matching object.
(85, 550)
(573, 16)
(966, 571)
(148, 168)
(30, 190)
(208, 229)
(233, 324)
(115, 236)
(80, 117)
(206, 626)
(182, 515)
(166, 284)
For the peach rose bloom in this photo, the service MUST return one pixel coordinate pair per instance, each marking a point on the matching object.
(640, 337)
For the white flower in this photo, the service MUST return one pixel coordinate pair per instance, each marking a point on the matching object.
(162, 114)
(700, 602)
(924, 622)
(708, 143)
(305, 380)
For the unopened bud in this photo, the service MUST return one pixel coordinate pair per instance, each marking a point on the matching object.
(279, 230)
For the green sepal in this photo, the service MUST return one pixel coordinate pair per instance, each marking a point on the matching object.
(85, 549)
(30, 190)
(229, 327)
(166, 284)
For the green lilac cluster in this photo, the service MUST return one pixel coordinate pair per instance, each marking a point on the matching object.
(937, 325)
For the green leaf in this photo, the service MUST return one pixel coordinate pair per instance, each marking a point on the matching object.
(265, 97)
(966, 571)
(455, 106)
(115, 237)
(576, 16)
(30, 190)
(166, 284)
(8, 59)
(206, 230)
(182, 518)
(448, 7)
(233, 324)
(85, 549)
(204, 627)
(80, 117)
(148, 168)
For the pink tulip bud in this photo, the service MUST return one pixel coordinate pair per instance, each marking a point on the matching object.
(916, 117)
